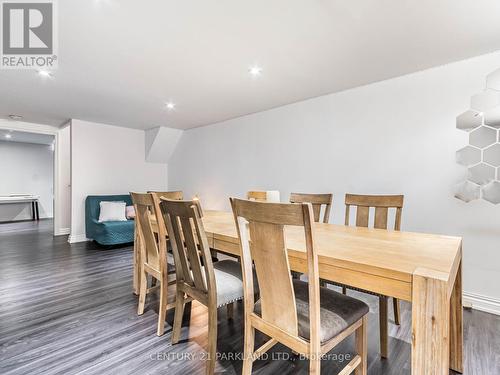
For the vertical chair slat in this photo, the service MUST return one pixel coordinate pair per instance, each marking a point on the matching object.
(273, 272)
(381, 214)
(362, 216)
(193, 255)
(397, 221)
(180, 258)
(202, 242)
(347, 214)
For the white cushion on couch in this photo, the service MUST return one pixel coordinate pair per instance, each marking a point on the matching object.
(112, 211)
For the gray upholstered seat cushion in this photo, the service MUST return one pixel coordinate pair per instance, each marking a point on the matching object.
(228, 279)
(337, 313)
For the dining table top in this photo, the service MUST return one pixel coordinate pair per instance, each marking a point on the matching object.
(394, 254)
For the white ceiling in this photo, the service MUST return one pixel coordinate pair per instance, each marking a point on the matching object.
(120, 61)
(24, 137)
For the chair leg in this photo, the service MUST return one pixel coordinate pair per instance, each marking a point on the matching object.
(344, 290)
(179, 312)
(248, 348)
(384, 335)
(137, 262)
(162, 310)
(212, 339)
(397, 312)
(362, 347)
(142, 291)
(230, 310)
(315, 364)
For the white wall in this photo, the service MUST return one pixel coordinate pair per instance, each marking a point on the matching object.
(107, 159)
(396, 136)
(62, 218)
(26, 168)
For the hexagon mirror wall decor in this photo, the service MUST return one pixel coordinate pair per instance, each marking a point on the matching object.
(491, 155)
(468, 156)
(481, 156)
(482, 137)
(467, 191)
(491, 192)
(469, 120)
(492, 117)
(481, 174)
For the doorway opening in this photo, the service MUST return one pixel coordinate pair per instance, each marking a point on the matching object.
(28, 180)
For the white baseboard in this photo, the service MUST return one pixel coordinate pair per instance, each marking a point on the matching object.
(73, 238)
(61, 231)
(482, 303)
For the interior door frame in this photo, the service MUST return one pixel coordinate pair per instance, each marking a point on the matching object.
(50, 130)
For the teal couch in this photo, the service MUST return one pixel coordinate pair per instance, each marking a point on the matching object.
(110, 232)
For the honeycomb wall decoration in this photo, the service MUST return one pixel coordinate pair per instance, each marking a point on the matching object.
(481, 156)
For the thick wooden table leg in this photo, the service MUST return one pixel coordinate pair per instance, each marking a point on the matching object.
(456, 324)
(430, 323)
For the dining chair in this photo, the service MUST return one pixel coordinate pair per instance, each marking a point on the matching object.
(158, 228)
(317, 201)
(309, 319)
(259, 196)
(161, 228)
(381, 204)
(197, 277)
(153, 257)
(174, 194)
(264, 196)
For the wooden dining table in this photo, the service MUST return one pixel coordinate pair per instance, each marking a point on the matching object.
(424, 269)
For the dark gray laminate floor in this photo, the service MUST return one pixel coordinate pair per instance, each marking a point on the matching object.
(70, 310)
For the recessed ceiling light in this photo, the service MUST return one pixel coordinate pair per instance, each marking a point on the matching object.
(255, 71)
(8, 136)
(170, 106)
(45, 73)
(15, 117)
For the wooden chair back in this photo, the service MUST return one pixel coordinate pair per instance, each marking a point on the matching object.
(174, 195)
(264, 224)
(152, 253)
(190, 247)
(317, 201)
(258, 196)
(381, 203)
